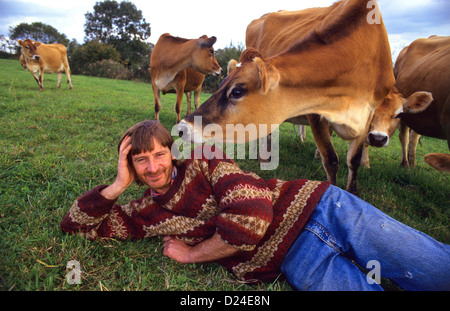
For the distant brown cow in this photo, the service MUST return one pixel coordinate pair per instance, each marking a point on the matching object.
(45, 58)
(424, 65)
(169, 61)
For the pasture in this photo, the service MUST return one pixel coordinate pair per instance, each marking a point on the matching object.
(57, 144)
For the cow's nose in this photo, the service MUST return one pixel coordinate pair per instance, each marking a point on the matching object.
(184, 131)
(378, 139)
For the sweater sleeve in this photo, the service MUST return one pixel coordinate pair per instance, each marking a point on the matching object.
(95, 216)
(245, 203)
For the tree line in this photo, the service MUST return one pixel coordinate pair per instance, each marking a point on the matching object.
(115, 44)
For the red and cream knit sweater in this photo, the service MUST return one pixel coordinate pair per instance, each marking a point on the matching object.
(262, 218)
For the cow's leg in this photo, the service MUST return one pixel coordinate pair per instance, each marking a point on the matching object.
(59, 79)
(41, 80)
(36, 77)
(188, 101)
(197, 97)
(69, 78)
(180, 92)
(322, 137)
(413, 141)
(365, 160)
(445, 117)
(157, 97)
(354, 156)
(403, 135)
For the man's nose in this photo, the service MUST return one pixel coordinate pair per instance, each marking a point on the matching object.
(152, 167)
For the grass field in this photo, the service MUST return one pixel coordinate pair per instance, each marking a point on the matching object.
(57, 144)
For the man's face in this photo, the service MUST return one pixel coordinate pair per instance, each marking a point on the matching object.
(155, 168)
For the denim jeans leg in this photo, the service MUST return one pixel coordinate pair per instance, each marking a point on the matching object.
(315, 263)
(363, 233)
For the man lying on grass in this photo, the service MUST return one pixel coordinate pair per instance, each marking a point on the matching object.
(208, 209)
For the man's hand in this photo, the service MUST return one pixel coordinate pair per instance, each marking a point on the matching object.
(125, 173)
(209, 250)
(177, 250)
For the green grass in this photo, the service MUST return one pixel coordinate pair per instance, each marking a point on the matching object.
(57, 144)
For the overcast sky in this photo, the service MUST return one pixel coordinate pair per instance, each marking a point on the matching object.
(405, 20)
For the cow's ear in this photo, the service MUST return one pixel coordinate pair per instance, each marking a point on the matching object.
(417, 102)
(249, 54)
(232, 64)
(20, 42)
(36, 44)
(268, 74)
(205, 42)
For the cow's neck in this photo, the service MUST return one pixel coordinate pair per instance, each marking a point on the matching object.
(181, 60)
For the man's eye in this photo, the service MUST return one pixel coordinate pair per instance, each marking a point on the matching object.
(237, 92)
(160, 155)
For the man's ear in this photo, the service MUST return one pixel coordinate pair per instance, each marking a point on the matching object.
(268, 74)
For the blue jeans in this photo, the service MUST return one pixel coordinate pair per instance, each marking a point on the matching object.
(344, 229)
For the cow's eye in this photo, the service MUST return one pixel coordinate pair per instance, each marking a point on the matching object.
(237, 92)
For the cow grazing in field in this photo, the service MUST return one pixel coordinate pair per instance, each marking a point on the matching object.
(332, 64)
(45, 58)
(169, 63)
(424, 65)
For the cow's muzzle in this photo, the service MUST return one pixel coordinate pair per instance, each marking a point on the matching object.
(188, 133)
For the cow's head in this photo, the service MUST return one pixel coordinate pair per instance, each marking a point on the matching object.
(386, 116)
(203, 59)
(246, 97)
(29, 49)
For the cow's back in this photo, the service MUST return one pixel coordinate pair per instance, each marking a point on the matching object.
(53, 57)
(423, 66)
(275, 32)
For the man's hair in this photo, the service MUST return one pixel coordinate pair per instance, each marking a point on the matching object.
(142, 135)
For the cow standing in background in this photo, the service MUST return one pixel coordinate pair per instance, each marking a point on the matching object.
(45, 58)
(424, 65)
(173, 65)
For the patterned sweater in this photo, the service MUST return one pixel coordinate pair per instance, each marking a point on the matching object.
(262, 218)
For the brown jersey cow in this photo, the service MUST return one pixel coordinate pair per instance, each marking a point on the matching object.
(424, 65)
(45, 58)
(338, 68)
(169, 61)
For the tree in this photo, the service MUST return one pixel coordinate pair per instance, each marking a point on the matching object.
(112, 22)
(121, 25)
(39, 32)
